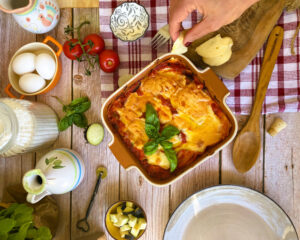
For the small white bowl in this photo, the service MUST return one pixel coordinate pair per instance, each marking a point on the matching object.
(129, 21)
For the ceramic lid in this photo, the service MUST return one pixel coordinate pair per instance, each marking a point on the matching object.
(129, 21)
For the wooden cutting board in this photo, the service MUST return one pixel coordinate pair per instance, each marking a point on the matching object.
(78, 3)
(248, 33)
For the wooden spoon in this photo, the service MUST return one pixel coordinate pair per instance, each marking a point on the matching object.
(247, 144)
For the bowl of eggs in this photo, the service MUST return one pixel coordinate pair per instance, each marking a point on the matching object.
(34, 69)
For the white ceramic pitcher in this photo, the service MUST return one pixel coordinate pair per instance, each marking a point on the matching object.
(58, 172)
(36, 16)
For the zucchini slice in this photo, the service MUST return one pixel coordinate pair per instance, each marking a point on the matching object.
(95, 134)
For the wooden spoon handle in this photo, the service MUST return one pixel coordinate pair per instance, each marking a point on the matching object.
(270, 57)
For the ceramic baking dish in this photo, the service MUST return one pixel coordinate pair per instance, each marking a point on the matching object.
(217, 90)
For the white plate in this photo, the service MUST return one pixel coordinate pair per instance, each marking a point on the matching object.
(229, 213)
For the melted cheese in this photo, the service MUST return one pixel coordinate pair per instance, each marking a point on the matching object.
(195, 116)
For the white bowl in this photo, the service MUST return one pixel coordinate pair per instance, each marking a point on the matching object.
(229, 212)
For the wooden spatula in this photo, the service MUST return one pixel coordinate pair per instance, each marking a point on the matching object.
(247, 144)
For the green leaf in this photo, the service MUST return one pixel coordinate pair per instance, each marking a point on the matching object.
(152, 117)
(3, 236)
(79, 101)
(169, 131)
(150, 148)
(151, 131)
(171, 155)
(166, 145)
(57, 162)
(31, 233)
(80, 120)
(64, 123)
(23, 230)
(50, 160)
(57, 167)
(7, 212)
(6, 225)
(79, 108)
(43, 233)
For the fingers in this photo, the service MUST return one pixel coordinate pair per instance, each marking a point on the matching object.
(174, 29)
(177, 14)
(201, 29)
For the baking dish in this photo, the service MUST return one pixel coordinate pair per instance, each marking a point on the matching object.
(218, 92)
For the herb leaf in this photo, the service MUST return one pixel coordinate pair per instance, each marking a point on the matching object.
(166, 145)
(6, 225)
(150, 148)
(74, 113)
(171, 155)
(151, 131)
(152, 117)
(64, 123)
(169, 131)
(80, 120)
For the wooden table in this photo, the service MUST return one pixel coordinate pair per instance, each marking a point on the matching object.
(276, 173)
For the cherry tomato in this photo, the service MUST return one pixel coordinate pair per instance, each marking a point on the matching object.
(72, 50)
(94, 44)
(109, 60)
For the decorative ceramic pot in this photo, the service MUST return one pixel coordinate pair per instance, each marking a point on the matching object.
(36, 16)
(58, 172)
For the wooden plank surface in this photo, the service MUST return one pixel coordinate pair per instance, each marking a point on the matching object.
(276, 173)
(78, 3)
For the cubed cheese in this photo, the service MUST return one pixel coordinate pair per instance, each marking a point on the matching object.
(122, 220)
(142, 223)
(135, 230)
(132, 220)
(113, 218)
(119, 210)
(125, 228)
(124, 233)
(128, 209)
(129, 204)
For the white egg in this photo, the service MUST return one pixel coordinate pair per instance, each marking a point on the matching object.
(45, 66)
(31, 82)
(24, 63)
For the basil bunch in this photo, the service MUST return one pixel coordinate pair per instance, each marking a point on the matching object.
(74, 113)
(152, 127)
(16, 223)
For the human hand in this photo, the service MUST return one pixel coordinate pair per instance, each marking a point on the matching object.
(215, 14)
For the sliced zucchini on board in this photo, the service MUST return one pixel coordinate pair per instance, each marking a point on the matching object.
(95, 134)
(129, 219)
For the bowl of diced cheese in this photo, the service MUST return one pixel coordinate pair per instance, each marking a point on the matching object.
(125, 220)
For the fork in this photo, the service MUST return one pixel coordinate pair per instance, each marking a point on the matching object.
(161, 37)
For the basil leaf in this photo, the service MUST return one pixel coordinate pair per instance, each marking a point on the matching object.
(80, 120)
(43, 233)
(152, 117)
(150, 148)
(171, 155)
(3, 236)
(64, 123)
(78, 101)
(80, 108)
(151, 131)
(6, 225)
(169, 131)
(166, 144)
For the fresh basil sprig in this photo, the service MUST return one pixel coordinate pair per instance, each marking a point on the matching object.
(152, 127)
(74, 113)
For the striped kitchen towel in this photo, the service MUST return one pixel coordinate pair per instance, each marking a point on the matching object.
(283, 94)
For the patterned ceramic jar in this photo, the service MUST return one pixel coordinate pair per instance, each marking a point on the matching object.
(36, 16)
(58, 172)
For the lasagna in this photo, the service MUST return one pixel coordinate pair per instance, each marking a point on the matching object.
(181, 100)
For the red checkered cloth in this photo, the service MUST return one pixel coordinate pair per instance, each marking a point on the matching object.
(283, 94)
